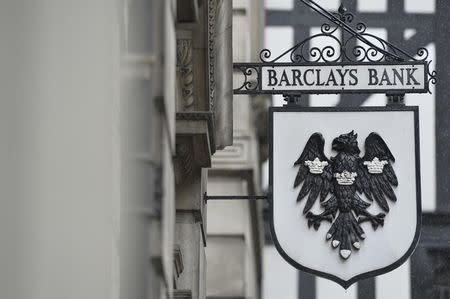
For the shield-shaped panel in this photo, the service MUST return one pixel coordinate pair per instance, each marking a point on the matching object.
(345, 189)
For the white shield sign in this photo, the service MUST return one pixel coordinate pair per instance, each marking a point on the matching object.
(345, 189)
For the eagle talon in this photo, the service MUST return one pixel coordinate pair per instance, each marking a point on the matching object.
(315, 220)
(376, 220)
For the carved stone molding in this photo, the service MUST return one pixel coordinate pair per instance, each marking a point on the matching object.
(212, 15)
(184, 159)
(187, 11)
(182, 294)
(200, 116)
(220, 70)
(260, 106)
(194, 143)
(185, 67)
(178, 261)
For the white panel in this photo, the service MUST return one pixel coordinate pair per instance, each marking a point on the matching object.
(420, 6)
(378, 32)
(324, 100)
(426, 103)
(322, 41)
(278, 40)
(291, 131)
(280, 280)
(326, 289)
(265, 175)
(329, 4)
(278, 100)
(349, 77)
(241, 41)
(396, 284)
(409, 33)
(220, 211)
(372, 6)
(376, 100)
(279, 4)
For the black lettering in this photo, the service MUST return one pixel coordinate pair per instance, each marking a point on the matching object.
(318, 83)
(296, 77)
(272, 77)
(304, 77)
(373, 77)
(398, 76)
(410, 73)
(352, 74)
(342, 75)
(331, 78)
(385, 78)
(284, 78)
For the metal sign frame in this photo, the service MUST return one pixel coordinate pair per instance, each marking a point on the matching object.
(250, 86)
(346, 283)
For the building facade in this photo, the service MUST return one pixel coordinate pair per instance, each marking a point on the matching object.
(120, 117)
(200, 140)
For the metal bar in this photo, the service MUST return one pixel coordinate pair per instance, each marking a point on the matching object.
(366, 288)
(442, 107)
(234, 197)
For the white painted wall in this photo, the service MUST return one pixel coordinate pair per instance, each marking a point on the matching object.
(280, 279)
(326, 289)
(59, 91)
(395, 284)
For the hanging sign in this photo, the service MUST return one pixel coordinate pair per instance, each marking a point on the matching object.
(344, 182)
(345, 199)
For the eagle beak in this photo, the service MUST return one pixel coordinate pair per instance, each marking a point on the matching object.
(334, 145)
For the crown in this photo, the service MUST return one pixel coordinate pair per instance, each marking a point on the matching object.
(345, 178)
(316, 166)
(375, 166)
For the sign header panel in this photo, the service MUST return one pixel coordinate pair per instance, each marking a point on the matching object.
(404, 78)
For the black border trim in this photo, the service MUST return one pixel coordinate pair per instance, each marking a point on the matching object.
(347, 283)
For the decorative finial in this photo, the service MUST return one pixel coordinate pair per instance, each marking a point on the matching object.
(342, 9)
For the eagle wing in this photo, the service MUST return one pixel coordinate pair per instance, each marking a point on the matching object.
(376, 177)
(314, 171)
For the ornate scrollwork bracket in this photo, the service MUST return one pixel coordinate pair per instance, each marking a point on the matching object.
(356, 47)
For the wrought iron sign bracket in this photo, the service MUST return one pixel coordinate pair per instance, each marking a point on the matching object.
(395, 99)
(359, 62)
(292, 100)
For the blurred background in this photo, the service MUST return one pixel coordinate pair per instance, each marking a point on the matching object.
(117, 117)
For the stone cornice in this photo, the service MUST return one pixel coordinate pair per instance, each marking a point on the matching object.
(201, 116)
(178, 261)
(182, 294)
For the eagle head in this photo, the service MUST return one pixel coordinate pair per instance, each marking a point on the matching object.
(346, 143)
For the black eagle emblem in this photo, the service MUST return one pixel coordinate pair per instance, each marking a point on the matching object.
(344, 176)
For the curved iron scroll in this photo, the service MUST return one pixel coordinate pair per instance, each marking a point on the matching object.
(375, 49)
